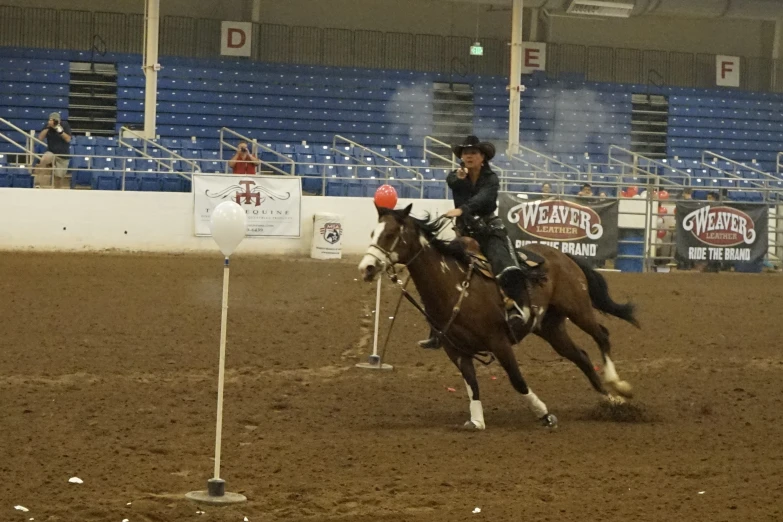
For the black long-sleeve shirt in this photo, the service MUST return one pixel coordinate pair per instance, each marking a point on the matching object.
(479, 199)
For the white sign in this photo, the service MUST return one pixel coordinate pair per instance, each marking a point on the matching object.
(273, 203)
(235, 38)
(533, 57)
(327, 236)
(727, 71)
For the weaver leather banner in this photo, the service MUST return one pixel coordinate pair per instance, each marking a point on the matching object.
(721, 232)
(584, 228)
(273, 204)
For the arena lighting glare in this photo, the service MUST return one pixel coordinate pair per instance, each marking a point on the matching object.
(600, 8)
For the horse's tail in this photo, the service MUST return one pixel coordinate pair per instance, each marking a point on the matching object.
(599, 295)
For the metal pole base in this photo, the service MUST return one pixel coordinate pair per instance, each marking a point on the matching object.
(374, 363)
(215, 494)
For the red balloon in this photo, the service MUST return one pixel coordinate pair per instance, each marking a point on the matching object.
(386, 196)
(632, 191)
(662, 210)
(663, 194)
(661, 234)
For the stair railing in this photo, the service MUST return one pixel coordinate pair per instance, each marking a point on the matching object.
(255, 146)
(654, 78)
(430, 143)
(96, 39)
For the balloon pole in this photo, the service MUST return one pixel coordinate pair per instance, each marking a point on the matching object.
(229, 224)
(385, 196)
(221, 371)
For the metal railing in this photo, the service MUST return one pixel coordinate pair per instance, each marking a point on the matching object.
(167, 163)
(552, 165)
(650, 171)
(779, 166)
(284, 160)
(429, 141)
(763, 180)
(30, 139)
(385, 169)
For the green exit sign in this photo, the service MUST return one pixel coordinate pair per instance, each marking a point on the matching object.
(476, 50)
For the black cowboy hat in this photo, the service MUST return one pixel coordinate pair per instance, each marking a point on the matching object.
(472, 142)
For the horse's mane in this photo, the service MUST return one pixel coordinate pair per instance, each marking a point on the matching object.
(430, 229)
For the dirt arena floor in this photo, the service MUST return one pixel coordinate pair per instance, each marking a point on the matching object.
(109, 372)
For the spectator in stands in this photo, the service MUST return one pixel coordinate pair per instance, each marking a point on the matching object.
(57, 134)
(243, 162)
(587, 191)
(712, 196)
(546, 191)
(687, 193)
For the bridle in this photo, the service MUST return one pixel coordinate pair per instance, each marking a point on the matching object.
(391, 272)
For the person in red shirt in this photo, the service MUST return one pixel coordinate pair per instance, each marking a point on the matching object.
(243, 162)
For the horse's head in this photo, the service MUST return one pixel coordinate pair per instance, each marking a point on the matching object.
(394, 240)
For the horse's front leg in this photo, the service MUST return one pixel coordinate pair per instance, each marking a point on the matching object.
(468, 371)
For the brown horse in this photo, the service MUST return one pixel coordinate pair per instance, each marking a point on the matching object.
(440, 270)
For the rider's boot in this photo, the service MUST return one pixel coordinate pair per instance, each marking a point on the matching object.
(433, 343)
(512, 280)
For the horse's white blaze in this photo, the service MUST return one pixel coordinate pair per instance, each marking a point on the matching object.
(535, 404)
(368, 259)
(610, 374)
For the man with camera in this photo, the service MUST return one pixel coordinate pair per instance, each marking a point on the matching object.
(243, 162)
(57, 134)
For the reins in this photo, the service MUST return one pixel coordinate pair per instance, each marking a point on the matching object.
(442, 334)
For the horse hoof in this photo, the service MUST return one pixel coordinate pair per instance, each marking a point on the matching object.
(472, 426)
(622, 388)
(548, 421)
(615, 400)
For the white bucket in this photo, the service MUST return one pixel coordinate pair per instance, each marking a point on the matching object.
(327, 236)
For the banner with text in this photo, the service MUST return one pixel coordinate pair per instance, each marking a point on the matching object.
(721, 232)
(583, 228)
(273, 203)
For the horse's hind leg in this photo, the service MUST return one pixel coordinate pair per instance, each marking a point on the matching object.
(505, 357)
(468, 371)
(553, 330)
(600, 334)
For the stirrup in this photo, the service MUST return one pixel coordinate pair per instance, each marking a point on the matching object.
(433, 343)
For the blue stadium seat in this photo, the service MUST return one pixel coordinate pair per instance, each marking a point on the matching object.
(173, 183)
(105, 181)
(150, 182)
(6, 178)
(336, 187)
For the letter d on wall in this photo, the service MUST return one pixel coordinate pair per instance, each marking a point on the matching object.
(236, 38)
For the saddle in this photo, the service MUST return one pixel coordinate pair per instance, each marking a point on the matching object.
(482, 265)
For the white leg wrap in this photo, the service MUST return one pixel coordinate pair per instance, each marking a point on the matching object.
(610, 374)
(535, 405)
(477, 414)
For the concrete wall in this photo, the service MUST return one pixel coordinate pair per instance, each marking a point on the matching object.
(81, 220)
(442, 17)
(731, 37)
(406, 16)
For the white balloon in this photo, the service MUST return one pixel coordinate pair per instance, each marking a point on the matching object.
(228, 225)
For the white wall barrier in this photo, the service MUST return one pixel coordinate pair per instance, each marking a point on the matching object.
(76, 220)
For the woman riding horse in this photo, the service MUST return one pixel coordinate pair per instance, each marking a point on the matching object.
(475, 187)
